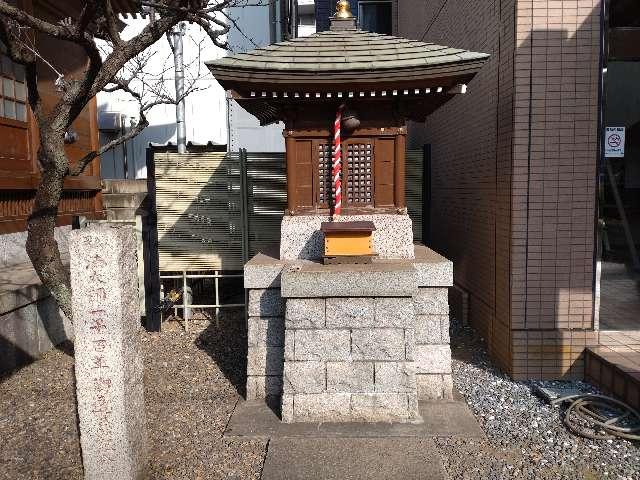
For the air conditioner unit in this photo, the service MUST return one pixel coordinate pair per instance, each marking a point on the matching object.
(111, 121)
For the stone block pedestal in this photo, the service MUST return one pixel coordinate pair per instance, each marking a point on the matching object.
(349, 342)
(348, 359)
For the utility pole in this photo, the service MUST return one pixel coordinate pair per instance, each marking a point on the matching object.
(178, 59)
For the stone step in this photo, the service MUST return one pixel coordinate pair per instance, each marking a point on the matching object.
(257, 419)
(615, 369)
(353, 458)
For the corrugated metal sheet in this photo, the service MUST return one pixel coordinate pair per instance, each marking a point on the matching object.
(199, 206)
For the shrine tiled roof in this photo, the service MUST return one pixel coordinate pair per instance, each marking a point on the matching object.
(347, 55)
(348, 50)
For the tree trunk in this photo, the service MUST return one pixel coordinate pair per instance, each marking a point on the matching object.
(42, 247)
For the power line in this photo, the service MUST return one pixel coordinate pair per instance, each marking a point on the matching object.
(433, 20)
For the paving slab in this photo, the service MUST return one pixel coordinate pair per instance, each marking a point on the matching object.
(255, 419)
(352, 458)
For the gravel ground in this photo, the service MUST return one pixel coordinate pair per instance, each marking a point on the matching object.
(190, 392)
(192, 382)
(525, 437)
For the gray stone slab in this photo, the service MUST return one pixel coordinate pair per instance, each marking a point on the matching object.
(429, 329)
(265, 331)
(305, 313)
(305, 377)
(301, 238)
(108, 354)
(433, 358)
(352, 458)
(380, 407)
(394, 312)
(265, 360)
(266, 303)
(388, 279)
(432, 301)
(350, 377)
(263, 271)
(254, 419)
(378, 344)
(395, 377)
(435, 386)
(352, 312)
(322, 345)
(261, 386)
(433, 269)
(321, 407)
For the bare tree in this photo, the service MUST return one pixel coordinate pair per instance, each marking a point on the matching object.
(115, 68)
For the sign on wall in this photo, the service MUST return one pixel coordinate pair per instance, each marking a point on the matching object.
(614, 142)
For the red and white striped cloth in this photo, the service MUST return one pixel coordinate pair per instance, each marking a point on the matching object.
(336, 171)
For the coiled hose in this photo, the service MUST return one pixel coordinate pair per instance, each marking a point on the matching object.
(600, 417)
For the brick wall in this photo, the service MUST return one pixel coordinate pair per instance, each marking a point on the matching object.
(471, 144)
(554, 173)
(514, 166)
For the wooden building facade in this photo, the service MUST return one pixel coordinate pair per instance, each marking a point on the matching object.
(19, 170)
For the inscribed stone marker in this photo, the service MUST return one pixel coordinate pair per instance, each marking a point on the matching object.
(108, 356)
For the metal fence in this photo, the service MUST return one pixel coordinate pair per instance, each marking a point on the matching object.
(215, 210)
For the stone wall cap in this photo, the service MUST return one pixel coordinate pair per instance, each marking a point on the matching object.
(425, 255)
(263, 269)
(433, 269)
(384, 279)
(383, 265)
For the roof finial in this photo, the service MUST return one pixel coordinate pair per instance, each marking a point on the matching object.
(343, 9)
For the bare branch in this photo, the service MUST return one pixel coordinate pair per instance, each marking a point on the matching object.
(27, 20)
(110, 21)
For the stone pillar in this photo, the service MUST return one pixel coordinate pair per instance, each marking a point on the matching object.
(433, 353)
(108, 357)
(265, 328)
(431, 303)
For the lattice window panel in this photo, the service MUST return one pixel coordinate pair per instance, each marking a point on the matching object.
(326, 189)
(360, 173)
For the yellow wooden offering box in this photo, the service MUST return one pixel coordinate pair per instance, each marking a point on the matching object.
(350, 239)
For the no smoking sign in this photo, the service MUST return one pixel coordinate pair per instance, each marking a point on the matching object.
(614, 142)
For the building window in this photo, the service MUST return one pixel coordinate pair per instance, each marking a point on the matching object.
(375, 16)
(13, 92)
(307, 20)
(624, 14)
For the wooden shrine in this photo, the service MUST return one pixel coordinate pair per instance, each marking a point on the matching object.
(382, 81)
(342, 343)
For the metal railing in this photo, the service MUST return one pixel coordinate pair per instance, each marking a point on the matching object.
(186, 306)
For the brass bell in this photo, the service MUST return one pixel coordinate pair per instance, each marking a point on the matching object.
(350, 120)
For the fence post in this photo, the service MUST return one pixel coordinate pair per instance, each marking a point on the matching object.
(426, 195)
(186, 312)
(244, 204)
